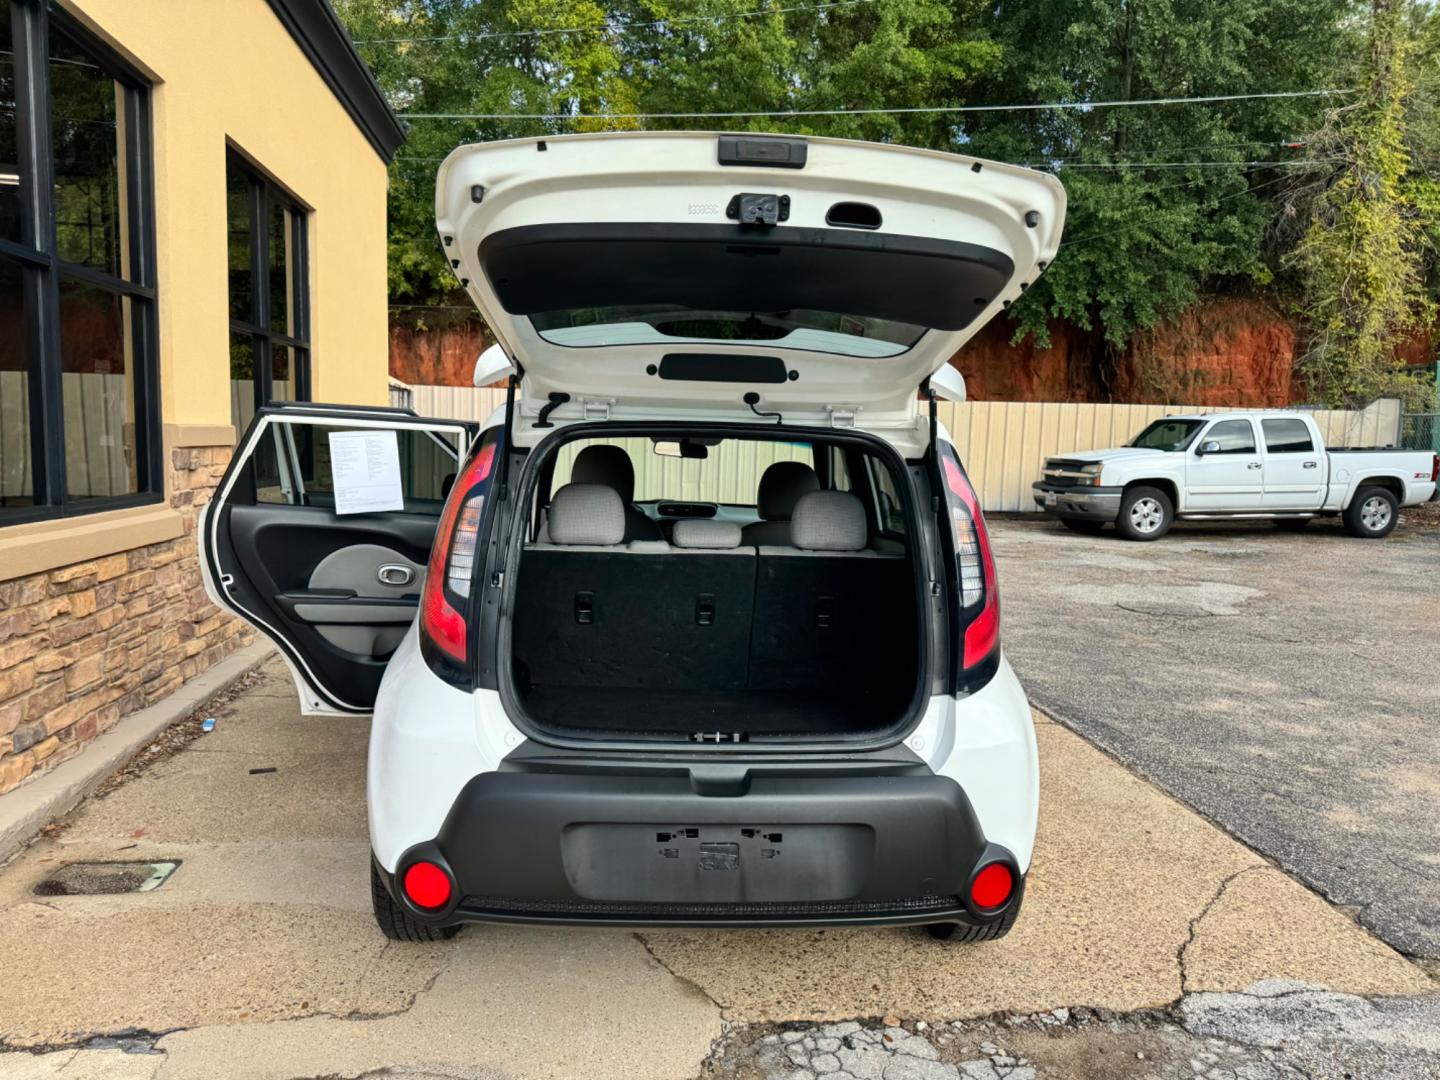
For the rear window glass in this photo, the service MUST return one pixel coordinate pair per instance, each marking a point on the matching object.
(1287, 437)
(729, 473)
(668, 324)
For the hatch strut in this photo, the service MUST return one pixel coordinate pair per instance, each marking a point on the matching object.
(504, 477)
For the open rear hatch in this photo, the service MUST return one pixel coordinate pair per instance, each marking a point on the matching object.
(665, 276)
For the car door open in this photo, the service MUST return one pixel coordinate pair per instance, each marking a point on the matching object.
(319, 534)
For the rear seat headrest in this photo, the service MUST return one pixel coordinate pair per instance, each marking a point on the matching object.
(607, 464)
(781, 486)
(586, 514)
(828, 521)
(706, 533)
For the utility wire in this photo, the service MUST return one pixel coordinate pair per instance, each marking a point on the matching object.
(925, 109)
(679, 19)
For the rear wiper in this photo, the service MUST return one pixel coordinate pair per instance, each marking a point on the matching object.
(753, 399)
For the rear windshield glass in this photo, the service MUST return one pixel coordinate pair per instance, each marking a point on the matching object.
(729, 473)
(1167, 435)
(815, 331)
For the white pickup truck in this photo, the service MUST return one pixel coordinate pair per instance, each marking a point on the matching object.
(1234, 465)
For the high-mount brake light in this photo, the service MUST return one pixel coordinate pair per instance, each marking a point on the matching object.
(975, 566)
(443, 600)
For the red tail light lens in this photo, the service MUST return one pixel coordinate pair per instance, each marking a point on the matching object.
(992, 887)
(428, 886)
(445, 596)
(1435, 469)
(979, 592)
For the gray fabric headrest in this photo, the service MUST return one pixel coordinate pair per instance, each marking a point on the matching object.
(706, 533)
(781, 487)
(586, 514)
(606, 464)
(828, 521)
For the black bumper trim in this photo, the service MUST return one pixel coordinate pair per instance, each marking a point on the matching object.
(641, 849)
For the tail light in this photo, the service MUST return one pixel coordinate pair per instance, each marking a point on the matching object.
(1435, 469)
(445, 597)
(977, 591)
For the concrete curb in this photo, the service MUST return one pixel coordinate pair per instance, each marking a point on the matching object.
(30, 807)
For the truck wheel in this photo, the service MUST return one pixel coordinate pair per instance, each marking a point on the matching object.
(1146, 513)
(1081, 525)
(1372, 514)
(395, 922)
(964, 932)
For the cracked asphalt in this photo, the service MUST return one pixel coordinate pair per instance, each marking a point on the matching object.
(1150, 944)
(1284, 684)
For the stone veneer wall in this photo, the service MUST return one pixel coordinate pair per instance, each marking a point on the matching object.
(83, 645)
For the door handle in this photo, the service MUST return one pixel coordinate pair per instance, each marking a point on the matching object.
(1253, 465)
(1309, 465)
(394, 574)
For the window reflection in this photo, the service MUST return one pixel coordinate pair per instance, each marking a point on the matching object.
(97, 387)
(9, 147)
(237, 205)
(16, 474)
(86, 134)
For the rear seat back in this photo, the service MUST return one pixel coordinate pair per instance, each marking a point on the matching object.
(830, 612)
(594, 612)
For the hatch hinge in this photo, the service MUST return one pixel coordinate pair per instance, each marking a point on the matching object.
(842, 416)
(597, 410)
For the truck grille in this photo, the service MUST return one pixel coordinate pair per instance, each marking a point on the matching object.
(1060, 472)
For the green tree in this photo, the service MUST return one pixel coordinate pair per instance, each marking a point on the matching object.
(1165, 202)
(1363, 257)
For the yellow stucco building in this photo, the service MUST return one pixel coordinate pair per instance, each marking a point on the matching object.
(192, 223)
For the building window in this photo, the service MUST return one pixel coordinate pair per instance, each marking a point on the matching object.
(79, 388)
(269, 301)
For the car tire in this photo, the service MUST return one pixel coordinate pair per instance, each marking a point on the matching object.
(1081, 525)
(963, 933)
(1291, 524)
(1146, 513)
(395, 922)
(1372, 514)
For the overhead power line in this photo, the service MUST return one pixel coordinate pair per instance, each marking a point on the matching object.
(486, 35)
(925, 109)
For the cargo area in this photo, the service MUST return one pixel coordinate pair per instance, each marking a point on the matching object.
(791, 615)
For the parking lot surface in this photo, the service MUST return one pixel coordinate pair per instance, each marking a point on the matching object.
(258, 957)
(1285, 684)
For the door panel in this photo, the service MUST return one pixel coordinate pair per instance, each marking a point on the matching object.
(337, 592)
(1295, 475)
(1228, 479)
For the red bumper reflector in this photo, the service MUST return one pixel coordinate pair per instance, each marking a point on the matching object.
(427, 885)
(992, 887)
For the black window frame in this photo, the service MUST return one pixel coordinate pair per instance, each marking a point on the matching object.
(264, 194)
(43, 270)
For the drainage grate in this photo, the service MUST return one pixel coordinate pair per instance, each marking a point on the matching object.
(105, 878)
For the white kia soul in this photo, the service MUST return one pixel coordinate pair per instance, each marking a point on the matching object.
(702, 628)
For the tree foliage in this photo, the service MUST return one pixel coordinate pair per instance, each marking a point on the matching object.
(1363, 254)
(1167, 203)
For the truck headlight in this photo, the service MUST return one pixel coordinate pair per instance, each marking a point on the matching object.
(1092, 473)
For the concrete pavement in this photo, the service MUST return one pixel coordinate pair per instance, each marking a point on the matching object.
(1285, 684)
(258, 958)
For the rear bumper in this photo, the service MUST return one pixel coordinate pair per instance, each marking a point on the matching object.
(1085, 504)
(894, 847)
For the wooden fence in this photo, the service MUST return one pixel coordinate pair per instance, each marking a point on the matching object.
(1004, 444)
